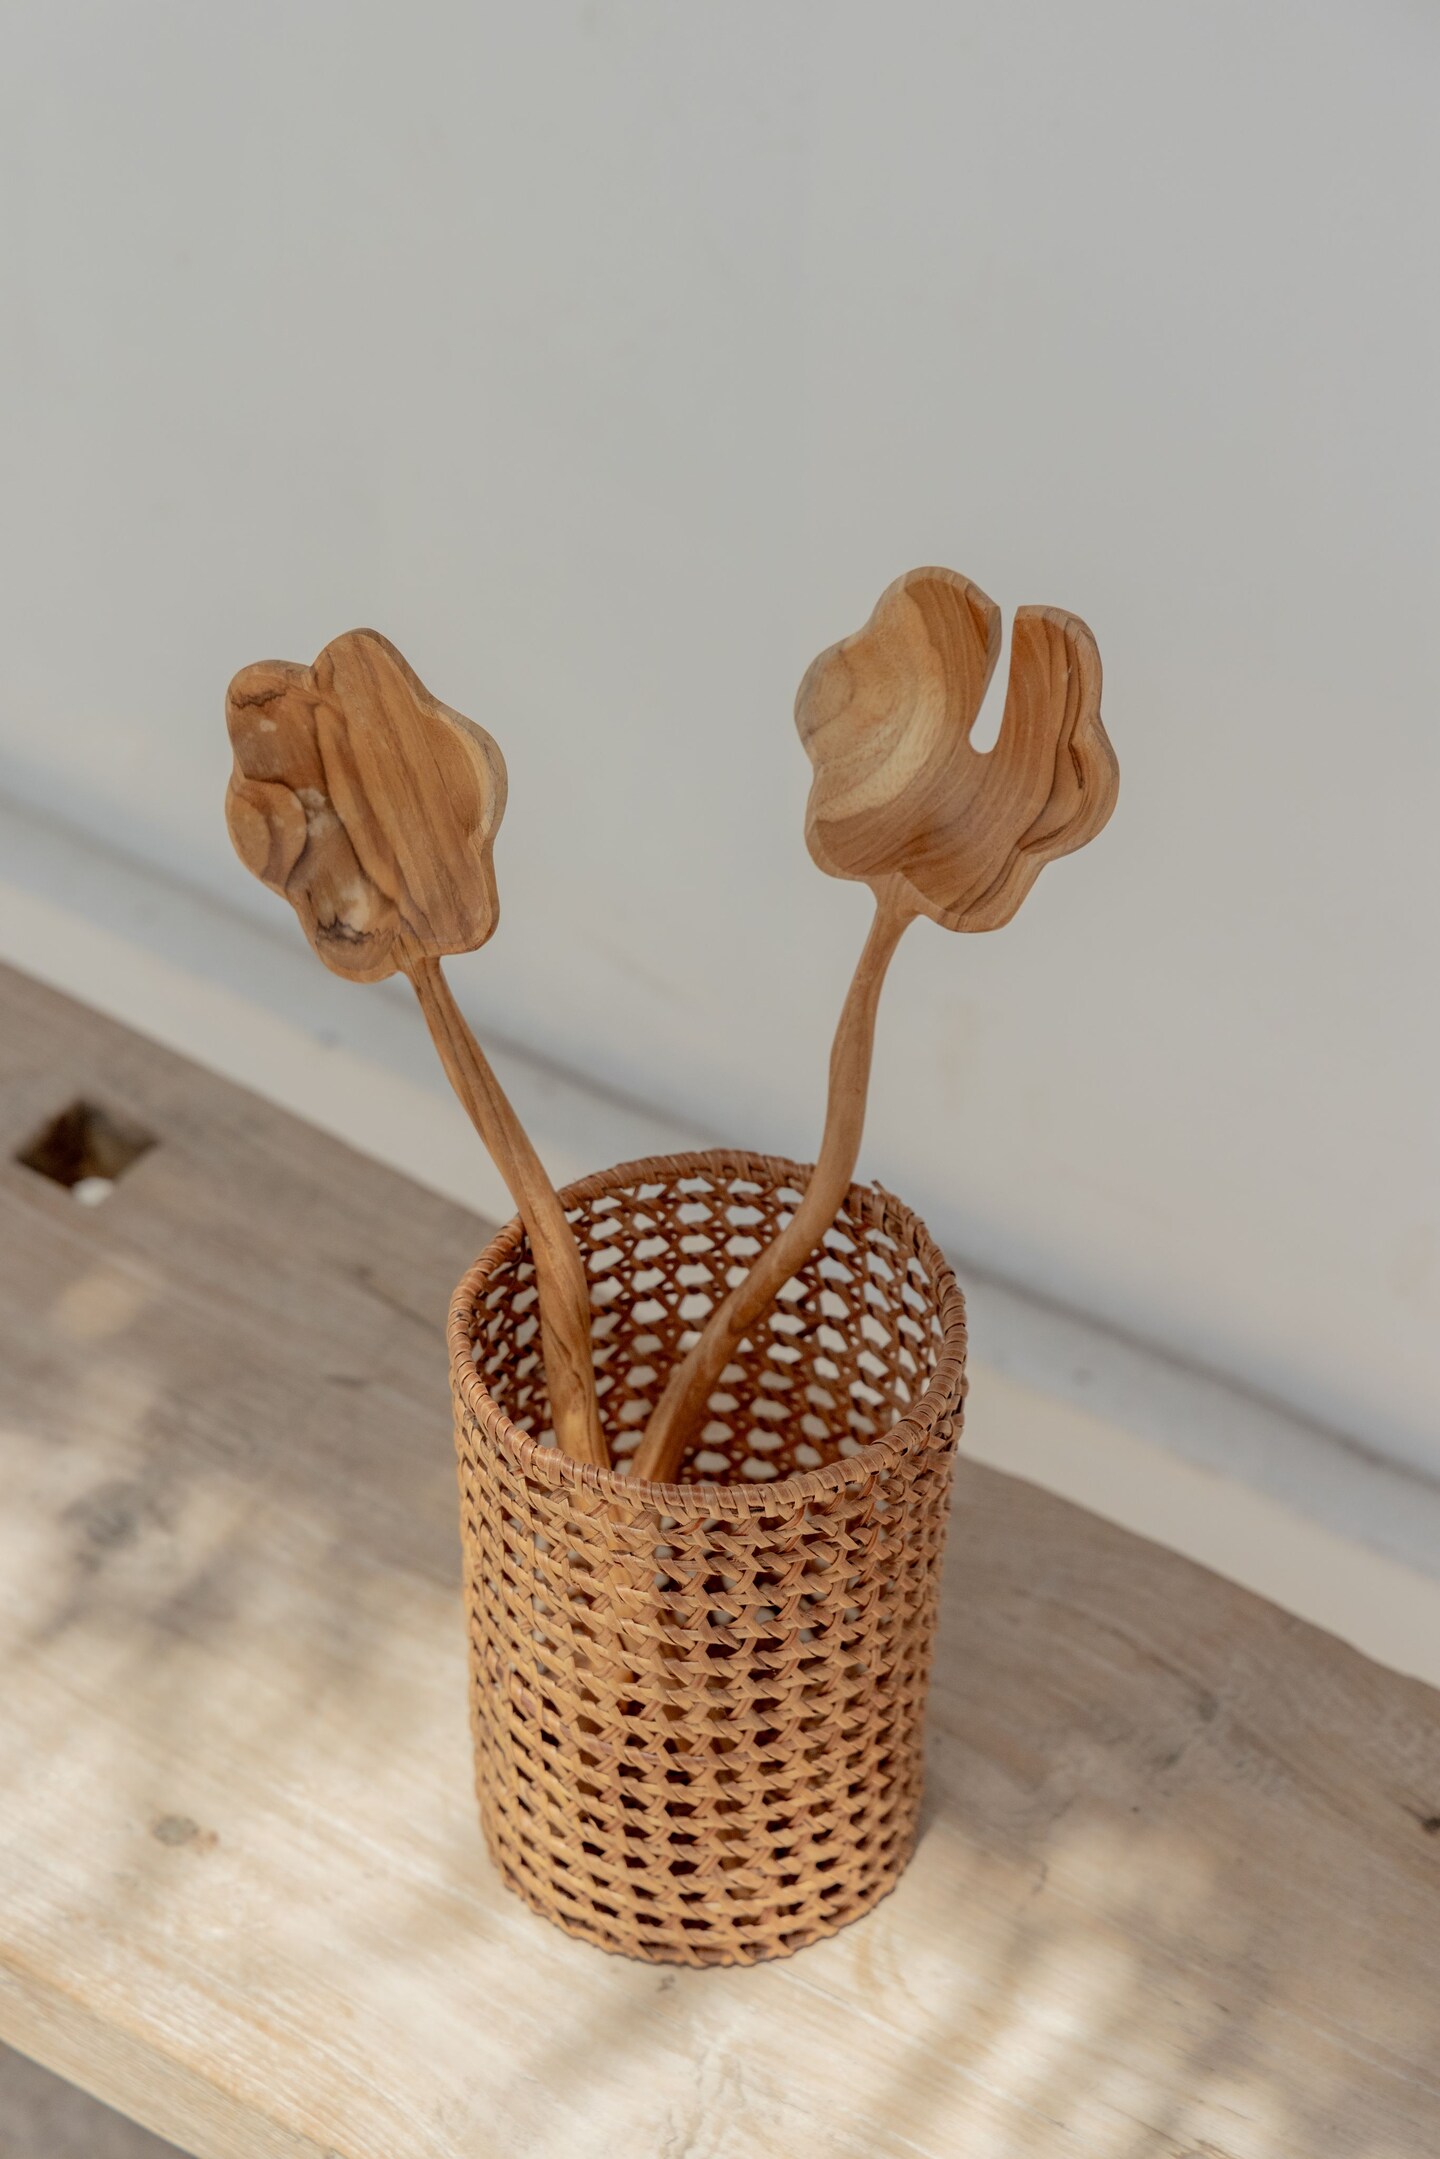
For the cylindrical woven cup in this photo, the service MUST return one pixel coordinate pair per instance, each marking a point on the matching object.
(698, 1708)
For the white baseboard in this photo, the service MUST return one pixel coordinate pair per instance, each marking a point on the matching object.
(1346, 1539)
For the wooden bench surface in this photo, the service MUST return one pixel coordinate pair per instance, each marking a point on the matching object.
(1178, 1891)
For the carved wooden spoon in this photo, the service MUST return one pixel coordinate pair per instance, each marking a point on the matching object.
(901, 800)
(373, 809)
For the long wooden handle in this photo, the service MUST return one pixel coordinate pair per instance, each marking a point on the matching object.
(559, 1271)
(693, 1380)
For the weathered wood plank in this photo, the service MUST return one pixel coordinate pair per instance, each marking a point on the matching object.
(1178, 1893)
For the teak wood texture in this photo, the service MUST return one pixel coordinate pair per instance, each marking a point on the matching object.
(902, 800)
(1177, 1883)
(900, 792)
(373, 809)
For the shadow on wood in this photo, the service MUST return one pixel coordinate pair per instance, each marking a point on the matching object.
(1176, 1891)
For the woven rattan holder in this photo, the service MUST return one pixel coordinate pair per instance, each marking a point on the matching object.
(698, 1708)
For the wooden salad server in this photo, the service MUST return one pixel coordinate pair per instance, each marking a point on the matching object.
(902, 800)
(373, 809)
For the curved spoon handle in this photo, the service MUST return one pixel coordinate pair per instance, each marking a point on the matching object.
(693, 1380)
(559, 1271)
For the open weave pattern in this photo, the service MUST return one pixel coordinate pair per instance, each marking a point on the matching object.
(698, 1707)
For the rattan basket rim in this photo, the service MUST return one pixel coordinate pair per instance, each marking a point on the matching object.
(913, 1433)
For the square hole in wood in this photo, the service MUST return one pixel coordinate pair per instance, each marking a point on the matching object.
(86, 1149)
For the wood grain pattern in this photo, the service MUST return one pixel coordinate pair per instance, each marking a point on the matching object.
(564, 1289)
(902, 800)
(899, 791)
(373, 809)
(1178, 1884)
(367, 804)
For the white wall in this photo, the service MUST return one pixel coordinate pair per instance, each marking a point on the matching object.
(611, 359)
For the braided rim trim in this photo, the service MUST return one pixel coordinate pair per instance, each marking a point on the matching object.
(915, 1432)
